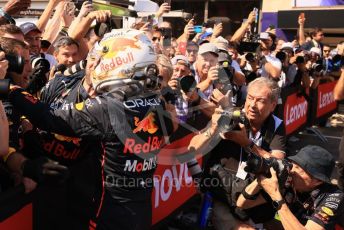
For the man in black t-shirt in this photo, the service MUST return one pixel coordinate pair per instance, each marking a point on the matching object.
(265, 137)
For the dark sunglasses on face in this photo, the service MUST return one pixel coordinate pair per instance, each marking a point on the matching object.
(155, 38)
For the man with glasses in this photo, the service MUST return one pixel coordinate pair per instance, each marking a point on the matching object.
(191, 52)
(263, 136)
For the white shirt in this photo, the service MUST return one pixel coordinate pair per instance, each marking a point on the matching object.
(273, 61)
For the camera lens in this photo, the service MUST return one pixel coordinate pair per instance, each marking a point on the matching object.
(15, 63)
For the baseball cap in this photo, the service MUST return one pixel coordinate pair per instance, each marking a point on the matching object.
(28, 27)
(315, 50)
(208, 32)
(315, 160)
(221, 43)
(180, 59)
(287, 46)
(208, 48)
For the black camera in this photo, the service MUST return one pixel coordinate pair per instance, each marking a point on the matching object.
(261, 166)
(317, 68)
(40, 63)
(38, 78)
(15, 63)
(230, 120)
(186, 84)
(102, 28)
(250, 57)
(167, 34)
(282, 56)
(248, 46)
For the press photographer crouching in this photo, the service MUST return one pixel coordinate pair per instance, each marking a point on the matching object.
(263, 134)
(307, 200)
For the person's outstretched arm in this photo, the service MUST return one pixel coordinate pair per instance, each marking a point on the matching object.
(339, 88)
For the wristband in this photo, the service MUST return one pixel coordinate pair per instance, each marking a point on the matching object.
(7, 16)
(249, 196)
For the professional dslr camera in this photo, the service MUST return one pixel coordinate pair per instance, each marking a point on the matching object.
(261, 166)
(38, 78)
(15, 63)
(186, 84)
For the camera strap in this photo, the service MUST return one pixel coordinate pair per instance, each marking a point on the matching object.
(241, 173)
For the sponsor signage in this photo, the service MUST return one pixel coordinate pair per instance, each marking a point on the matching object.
(295, 112)
(173, 186)
(326, 102)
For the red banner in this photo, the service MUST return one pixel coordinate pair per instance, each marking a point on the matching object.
(20, 220)
(326, 102)
(295, 112)
(173, 184)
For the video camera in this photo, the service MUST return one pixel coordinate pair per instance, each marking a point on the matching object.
(15, 63)
(261, 166)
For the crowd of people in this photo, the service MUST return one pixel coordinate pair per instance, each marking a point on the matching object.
(87, 108)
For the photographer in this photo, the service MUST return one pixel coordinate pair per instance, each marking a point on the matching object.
(311, 202)
(205, 66)
(270, 66)
(264, 135)
(3, 118)
(339, 95)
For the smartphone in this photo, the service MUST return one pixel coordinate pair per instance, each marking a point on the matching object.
(302, 15)
(146, 19)
(167, 33)
(198, 28)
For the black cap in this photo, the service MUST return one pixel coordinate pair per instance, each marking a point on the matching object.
(315, 160)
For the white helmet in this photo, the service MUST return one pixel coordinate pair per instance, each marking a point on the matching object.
(124, 55)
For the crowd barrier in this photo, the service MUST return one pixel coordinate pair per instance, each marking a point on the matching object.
(173, 184)
(301, 108)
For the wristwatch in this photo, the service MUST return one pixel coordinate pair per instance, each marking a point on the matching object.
(277, 204)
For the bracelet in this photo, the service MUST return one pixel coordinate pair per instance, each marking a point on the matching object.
(7, 16)
(249, 196)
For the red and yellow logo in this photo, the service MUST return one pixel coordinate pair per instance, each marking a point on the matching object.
(146, 124)
(73, 140)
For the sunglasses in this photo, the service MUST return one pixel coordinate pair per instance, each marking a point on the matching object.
(155, 38)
